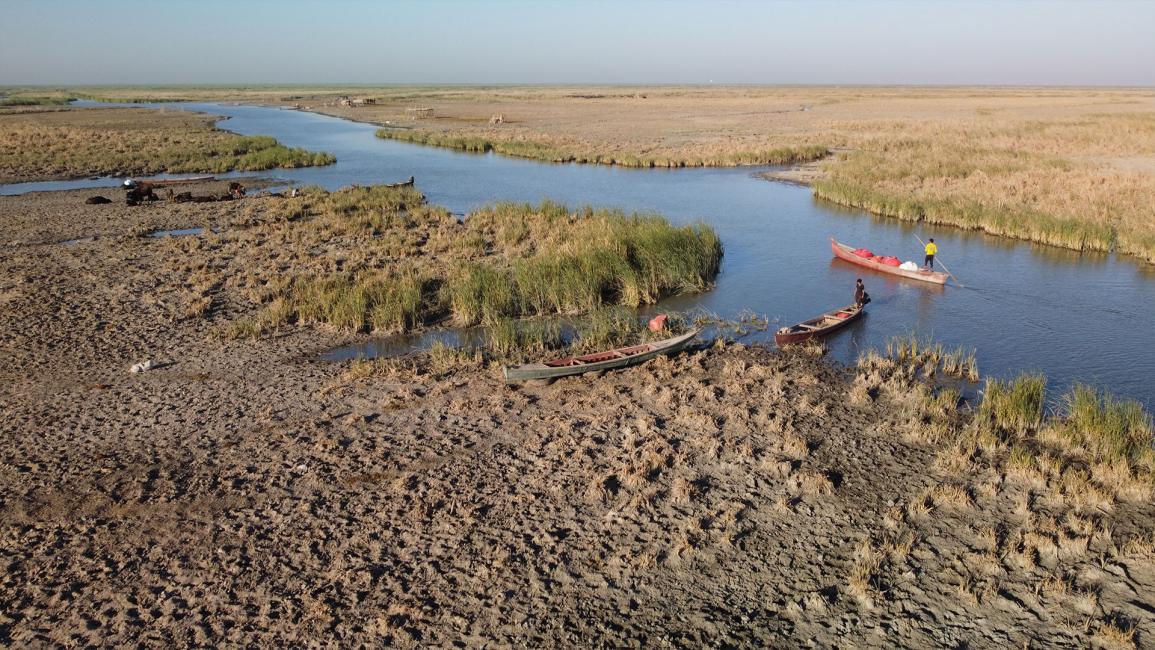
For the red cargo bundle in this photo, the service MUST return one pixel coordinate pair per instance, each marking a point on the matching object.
(889, 261)
(862, 252)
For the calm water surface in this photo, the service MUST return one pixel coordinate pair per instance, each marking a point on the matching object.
(1075, 317)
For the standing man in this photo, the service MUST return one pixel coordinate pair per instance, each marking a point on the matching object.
(860, 295)
(931, 249)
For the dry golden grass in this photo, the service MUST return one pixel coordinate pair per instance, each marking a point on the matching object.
(863, 580)
(1116, 634)
(87, 141)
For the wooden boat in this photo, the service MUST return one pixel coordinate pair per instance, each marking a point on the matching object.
(827, 323)
(844, 252)
(408, 183)
(608, 360)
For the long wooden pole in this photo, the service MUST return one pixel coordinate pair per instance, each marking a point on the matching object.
(943, 265)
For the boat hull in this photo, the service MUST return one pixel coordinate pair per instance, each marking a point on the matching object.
(795, 335)
(613, 359)
(844, 252)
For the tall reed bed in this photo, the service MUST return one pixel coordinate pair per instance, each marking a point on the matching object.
(578, 262)
(1106, 427)
(36, 100)
(389, 301)
(999, 189)
(565, 152)
(1005, 221)
(418, 264)
(1013, 409)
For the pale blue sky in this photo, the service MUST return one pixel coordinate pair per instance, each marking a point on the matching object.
(1030, 42)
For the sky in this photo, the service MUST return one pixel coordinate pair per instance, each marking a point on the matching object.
(941, 42)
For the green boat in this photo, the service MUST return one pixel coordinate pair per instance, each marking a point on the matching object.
(597, 361)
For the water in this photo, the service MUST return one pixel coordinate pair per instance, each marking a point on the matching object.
(179, 232)
(1075, 317)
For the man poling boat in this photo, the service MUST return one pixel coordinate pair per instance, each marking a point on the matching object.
(931, 249)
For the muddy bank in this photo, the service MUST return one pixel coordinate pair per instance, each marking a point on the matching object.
(805, 174)
(247, 493)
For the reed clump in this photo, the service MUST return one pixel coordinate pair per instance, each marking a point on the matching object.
(508, 337)
(574, 262)
(931, 356)
(1107, 428)
(405, 264)
(388, 301)
(1012, 410)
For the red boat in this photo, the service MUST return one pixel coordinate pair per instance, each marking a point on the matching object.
(827, 323)
(844, 252)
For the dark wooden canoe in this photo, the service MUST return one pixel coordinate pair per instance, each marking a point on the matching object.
(827, 323)
(408, 183)
(844, 252)
(608, 360)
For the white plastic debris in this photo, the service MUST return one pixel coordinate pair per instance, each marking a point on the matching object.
(142, 366)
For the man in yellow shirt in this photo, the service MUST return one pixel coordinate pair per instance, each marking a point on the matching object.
(931, 249)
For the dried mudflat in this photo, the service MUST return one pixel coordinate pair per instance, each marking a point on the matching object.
(248, 494)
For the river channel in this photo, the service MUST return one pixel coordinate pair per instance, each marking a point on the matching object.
(1024, 307)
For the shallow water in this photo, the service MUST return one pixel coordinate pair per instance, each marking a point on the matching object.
(179, 232)
(1075, 317)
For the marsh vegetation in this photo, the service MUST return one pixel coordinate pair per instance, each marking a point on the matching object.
(98, 141)
(405, 264)
(560, 153)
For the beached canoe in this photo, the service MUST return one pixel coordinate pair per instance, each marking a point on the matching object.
(608, 360)
(844, 252)
(827, 323)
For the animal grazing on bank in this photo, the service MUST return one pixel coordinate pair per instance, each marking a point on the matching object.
(138, 193)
